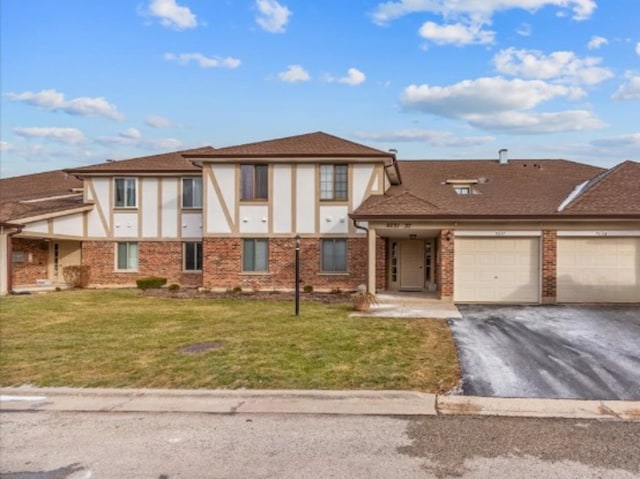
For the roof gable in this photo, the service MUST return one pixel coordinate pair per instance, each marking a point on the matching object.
(312, 145)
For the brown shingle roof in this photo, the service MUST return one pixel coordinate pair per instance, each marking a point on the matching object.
(162, 163)
(521, 187)
(617, 190)
(13, 211)
(316, 145)
(39, 185)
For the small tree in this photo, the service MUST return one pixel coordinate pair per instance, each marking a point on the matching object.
(76, 276)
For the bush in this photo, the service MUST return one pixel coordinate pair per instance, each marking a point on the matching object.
(174, 287)
(76, 276)
(237, 289)
(308, 288)
(151, 282)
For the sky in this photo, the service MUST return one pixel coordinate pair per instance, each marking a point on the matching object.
(83, 81)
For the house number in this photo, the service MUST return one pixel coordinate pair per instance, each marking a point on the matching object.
(501, 233)
(601, 233)
(398, 225)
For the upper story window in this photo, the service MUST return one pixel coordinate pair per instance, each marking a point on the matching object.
(192, 192)
(254, 182)
(462, 190)
(334, 181)
(463, 186)
(125, 196)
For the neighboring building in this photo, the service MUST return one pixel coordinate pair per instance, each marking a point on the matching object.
(506, 231)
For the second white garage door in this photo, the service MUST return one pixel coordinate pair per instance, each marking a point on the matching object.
(497, 270)
(596, 270)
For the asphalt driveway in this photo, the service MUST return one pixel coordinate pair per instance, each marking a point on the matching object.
(580, 352)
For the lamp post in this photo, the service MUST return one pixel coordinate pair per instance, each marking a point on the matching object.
(297, 275)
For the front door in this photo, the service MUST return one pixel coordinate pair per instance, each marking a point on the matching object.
(64, 253)
(412, 265)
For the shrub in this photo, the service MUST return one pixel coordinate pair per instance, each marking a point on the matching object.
(174, 287)
(308, 288)
(237, 289)
(76, 276)
(151, 282)
(336, 290)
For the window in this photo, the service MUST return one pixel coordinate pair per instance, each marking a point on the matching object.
(192, 256)
(254, 182)
(127, 256)
(255, 255)
(192, 192)
(333, 182)
(462, 190)
(125, 193)
(334, 256)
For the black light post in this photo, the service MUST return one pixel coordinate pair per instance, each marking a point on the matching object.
(297, 275)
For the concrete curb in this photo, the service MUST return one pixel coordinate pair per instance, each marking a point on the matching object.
(387, 403)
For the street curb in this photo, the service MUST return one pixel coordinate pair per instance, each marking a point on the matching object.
(386, 403)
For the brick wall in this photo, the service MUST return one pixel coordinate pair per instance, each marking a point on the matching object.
(445, 268)
(549, 266)
(223, 265)
(35, 264)
(155, 258)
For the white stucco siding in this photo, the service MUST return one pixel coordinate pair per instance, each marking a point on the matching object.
(254, 219)
(99, 216)
(125, 225)
(361, 177)
(72, 225)
(95, 226)
(220, 197)
(191, 225)
(306, 199)
(282, 200)
(150, 207)
(37, 227)
(170, 205)
(334, 219)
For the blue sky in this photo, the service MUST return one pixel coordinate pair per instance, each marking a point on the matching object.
(83, 81)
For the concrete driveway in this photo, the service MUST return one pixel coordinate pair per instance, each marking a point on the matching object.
(580, 352)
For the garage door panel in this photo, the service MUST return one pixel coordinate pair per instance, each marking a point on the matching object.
(599, 270)
(496, 270)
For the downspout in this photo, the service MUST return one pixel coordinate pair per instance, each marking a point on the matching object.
(362, 228)
(18, 230)
(357, 226)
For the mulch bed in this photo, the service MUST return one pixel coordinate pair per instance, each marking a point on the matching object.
(192, 293)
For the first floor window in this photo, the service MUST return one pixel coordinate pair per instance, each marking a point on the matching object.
(125, 196)
(127, 256)
(192, 192)
(255, 255)
(193, 256)
(334, 256)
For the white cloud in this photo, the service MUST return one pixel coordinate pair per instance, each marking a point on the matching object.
(596, 42)
(354, 77)
(524, 30)
(55, 101)
(202, 60)
(157, 121)
(457, 34)
(62, 135)
(530, 123)
(563, 66)
(618, 141)
(172, 15)
(480, 11)
(638, 48)
(6, 146)
(629, 90)
(130, 133)
(436, 138)
(295, 73)
(272, 17)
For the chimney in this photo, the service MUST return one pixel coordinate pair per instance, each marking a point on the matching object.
(503, 155)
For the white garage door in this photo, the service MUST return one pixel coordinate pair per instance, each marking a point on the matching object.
(497, 270)
(599, 270)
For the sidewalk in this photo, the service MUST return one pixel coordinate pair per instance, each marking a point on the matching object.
(387, 403)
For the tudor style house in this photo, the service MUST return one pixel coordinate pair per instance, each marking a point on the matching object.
(495, 231)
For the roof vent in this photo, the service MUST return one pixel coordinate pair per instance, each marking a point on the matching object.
(504, 156)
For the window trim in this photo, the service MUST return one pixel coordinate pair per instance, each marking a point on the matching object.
(346, 257)
(254, 270)
(254, 198)
(191, 178)
(185, 269)
(115, 192)
(334, 182)
(117, 256)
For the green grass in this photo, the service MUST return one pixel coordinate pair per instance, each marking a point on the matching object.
(119, 338)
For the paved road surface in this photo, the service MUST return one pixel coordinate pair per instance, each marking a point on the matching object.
(57, 445)
(571, 352)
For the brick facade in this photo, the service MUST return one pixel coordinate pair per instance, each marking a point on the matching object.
(223, 265)
(155, 258)
(35, 253)
(549, 266)
(445, 267)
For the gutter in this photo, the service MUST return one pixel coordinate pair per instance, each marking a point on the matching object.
(10, 252)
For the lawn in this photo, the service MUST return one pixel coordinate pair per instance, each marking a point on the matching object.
(120, 338)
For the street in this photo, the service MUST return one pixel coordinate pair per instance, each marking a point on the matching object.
(73, 445)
